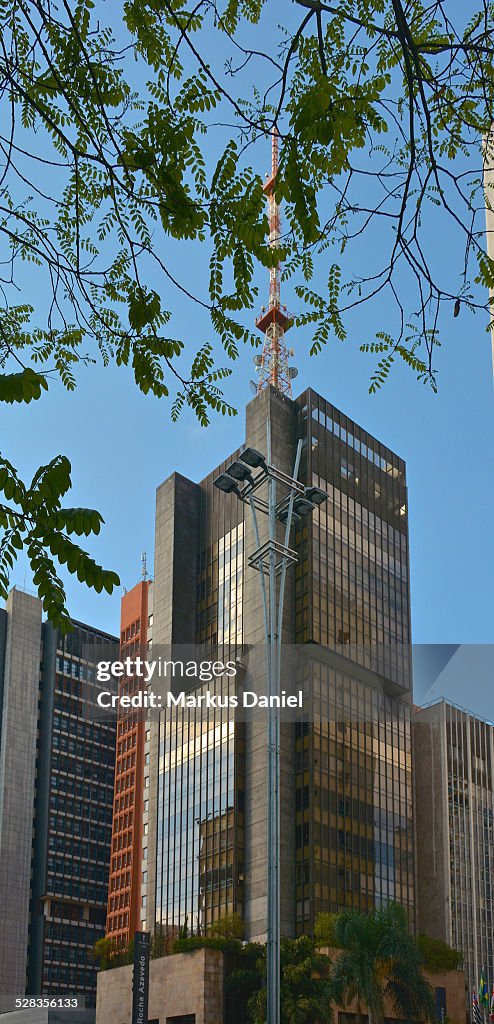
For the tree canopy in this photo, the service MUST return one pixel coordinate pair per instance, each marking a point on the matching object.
(108, 110)
(380, 961)
(305, 989)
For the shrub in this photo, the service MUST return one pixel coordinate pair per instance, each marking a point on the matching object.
(230, 926)
(324, 930)
(107, 955)
(437, 955)
(226, 945)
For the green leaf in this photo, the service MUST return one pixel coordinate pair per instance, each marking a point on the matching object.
(21, 387)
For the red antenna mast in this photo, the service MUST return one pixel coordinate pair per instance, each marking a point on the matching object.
(274, 321)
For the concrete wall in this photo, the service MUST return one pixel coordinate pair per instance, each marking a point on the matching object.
(17, 781)
(175, 567)
(279, 410)
(188, 983)
(40, 850)
(174, 590)
(431, 823)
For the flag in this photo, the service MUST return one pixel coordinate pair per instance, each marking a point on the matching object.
(476, 1014)
(483, 991)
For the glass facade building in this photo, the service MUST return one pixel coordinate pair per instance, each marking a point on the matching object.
(354, 803)
(200, 817)
(352, 574)
(72, 817)
(347, 828)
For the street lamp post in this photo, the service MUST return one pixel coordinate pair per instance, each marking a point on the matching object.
(245, 478)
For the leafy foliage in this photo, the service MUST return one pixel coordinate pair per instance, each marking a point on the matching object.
(188, 943)
(381, 109)
(380, 961)
(305, 991)
(325, 930)
(437, 956)
(162, 942)
(230, 926)
(107, 955)
(36, 521)
(224, 934)
(377, 94)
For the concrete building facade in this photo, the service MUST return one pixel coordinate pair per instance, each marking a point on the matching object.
(20, 624)
(183, 989)
(454, 765)
(56, 796)
(127, 883)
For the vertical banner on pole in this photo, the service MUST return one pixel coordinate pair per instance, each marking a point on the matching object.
(140, 985)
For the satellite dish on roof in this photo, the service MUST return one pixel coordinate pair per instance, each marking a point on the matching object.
(253, 387)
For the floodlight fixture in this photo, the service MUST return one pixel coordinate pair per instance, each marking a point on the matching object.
(239, 471)
(226, 483)
(253, 458)
(316, 495)
(302, 506)
(283, 516)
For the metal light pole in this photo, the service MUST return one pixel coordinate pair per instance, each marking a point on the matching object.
(271, 560)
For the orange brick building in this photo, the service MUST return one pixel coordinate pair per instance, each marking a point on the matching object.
(125, 884)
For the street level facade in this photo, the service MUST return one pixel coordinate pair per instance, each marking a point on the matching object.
(207, 999)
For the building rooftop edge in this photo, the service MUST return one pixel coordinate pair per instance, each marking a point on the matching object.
(451, 704)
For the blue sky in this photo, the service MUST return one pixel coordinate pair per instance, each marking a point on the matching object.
(122, 445)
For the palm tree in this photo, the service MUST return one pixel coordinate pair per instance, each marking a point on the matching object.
(380, 960)
(305, 996)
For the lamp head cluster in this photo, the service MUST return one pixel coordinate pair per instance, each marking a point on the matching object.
(240, 472)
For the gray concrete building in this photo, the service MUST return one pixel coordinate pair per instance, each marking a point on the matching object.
(20, 625)
(56, 798)
(454, 764)
(346, 809)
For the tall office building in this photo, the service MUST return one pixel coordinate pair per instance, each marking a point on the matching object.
(20, 653)
(56, 795)
(346, 810)
(126, 890)
(454, 766)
